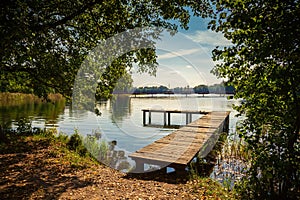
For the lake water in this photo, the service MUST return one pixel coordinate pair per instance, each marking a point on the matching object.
(121, 118)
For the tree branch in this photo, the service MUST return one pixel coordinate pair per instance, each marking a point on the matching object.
(69, 17)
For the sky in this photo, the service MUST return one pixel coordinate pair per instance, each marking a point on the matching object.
(185, 58)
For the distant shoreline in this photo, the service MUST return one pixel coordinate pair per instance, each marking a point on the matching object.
(193, 95)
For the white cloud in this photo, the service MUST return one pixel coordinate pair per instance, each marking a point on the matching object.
(179, 53)
(208, 37)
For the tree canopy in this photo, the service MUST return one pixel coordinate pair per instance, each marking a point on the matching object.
(263, 64)
(44, 42)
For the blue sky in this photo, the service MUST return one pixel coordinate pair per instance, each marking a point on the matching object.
(185, 59)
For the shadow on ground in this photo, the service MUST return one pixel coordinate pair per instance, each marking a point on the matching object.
(199, 169)
(161, 176)
(29, 171)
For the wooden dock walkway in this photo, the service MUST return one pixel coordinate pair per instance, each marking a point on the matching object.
(178, 149)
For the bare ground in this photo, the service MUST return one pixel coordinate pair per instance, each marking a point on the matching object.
(31, 169)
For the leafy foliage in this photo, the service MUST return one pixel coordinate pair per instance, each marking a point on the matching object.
(263, 66)
(75, 143)
(44, 42)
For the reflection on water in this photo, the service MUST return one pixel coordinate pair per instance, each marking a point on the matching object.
(121, 120)
(116, 158)
(121, 107)
(41, 113)
(106, 152)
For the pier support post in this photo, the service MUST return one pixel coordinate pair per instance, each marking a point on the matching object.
(149, 117)
(226, 124)
(165, 119)
(169, 119)
(139, 166)
(144, 118)
(180, 169)
(187, 118)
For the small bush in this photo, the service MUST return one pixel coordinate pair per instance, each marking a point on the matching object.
(63, 138)
(76, 144)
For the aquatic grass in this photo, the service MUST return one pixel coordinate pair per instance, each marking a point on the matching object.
(225, 164)
(199, 174)
(204, 166)
(55, 97)
(92, 145)
(103, 151)
(232, 162)
(13, 99)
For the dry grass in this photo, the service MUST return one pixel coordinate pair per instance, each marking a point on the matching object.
(12, 99)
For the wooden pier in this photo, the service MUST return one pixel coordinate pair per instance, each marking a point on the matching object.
(167, 115)
(178, 149)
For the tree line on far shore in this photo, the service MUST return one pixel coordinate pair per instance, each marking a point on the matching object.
(199, 89)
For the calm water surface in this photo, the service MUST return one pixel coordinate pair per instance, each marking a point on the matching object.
(121, 118)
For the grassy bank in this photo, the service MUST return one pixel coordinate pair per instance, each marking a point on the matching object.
(61, 147)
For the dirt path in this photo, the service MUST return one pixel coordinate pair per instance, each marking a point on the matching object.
(34, 170)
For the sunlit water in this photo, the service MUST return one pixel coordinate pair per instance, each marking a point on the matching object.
(122, 118)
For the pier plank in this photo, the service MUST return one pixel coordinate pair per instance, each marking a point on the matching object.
(181, 146)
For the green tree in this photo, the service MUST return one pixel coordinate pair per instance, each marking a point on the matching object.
(44, 42)
(263, 64)
(201, 89)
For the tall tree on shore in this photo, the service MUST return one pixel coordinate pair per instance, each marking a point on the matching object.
(44, 42)
(263, 64)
